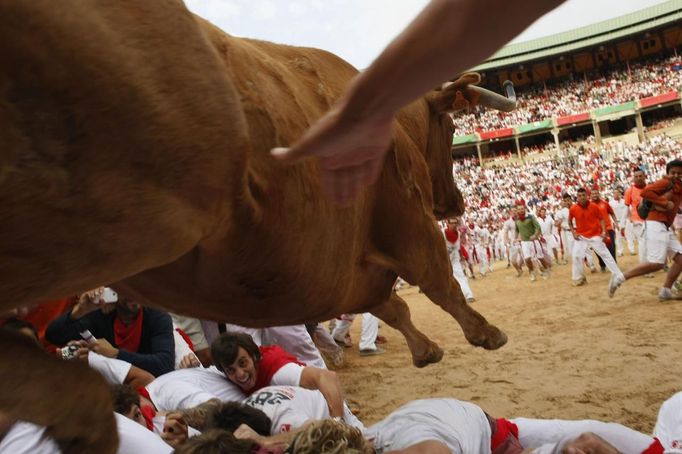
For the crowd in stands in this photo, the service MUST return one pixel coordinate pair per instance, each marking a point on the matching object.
(617, 86)
(488, 191)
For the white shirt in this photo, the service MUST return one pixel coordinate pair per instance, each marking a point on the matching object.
(482, 236)
(509, 229)
(186, 388)
(562, 215)
(549, 436)
(668, 427)
(547, 226)
(113, 370)
(135, 439)
(27, 438)
(620, 210)
(290, 407)
(462, 426)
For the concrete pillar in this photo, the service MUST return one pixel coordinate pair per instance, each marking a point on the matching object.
(480, 157)
(518, 148)
(555, 134)
(597, 132)
(640, 126)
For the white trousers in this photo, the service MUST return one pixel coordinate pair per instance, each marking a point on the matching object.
(458, 274)
(368, 333)
(567, 240)
(295, 339)
(637, 233)
(482, 254)
(580, 250)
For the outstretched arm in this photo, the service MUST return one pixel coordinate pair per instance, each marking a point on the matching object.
(353, 137)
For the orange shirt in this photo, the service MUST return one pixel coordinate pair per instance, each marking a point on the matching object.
(658, 193)
(587, 219)
(605, 209)
(633, 195)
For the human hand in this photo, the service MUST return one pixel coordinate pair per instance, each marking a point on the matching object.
(175, 430)
(589, 443)
(104, 348)
(244, 432)
(189, 360)
(351, 151)
(88, 302)
(80, 353)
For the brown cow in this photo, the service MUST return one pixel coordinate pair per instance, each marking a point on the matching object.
(135, 149)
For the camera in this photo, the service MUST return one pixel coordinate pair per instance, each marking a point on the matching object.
(69, 352)
(109, 296)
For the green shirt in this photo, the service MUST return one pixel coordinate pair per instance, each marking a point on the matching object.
(527, 228)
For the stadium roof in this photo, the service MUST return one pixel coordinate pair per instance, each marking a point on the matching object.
(591, 35)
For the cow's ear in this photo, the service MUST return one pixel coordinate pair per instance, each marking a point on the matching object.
(456, 96)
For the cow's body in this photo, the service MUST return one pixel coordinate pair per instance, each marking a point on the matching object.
(170, 190)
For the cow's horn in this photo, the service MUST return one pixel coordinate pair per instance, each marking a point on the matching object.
(496, 101)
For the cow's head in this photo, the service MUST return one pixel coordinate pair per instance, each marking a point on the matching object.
(452, 97)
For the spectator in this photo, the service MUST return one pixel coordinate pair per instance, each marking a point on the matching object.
(124, 330)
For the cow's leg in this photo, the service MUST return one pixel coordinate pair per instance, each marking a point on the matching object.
(397, 315)
(425, 262)
(476, 328)
(70, 399)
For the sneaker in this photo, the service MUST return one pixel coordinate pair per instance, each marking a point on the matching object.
(519, 273)
(580, 282)
(471, 300)
(372, 351)
(546, 274)
(667, 295)
(615, 282)
(593, 269)
(345, 343)
(533, 277)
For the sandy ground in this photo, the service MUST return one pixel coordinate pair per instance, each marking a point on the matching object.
(572, 352)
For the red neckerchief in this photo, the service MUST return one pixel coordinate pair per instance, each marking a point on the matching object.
(128, 337)
(504, 429)
(184, 335)
(655, 448)
(148, 412)
(273, 358)
(451, 235)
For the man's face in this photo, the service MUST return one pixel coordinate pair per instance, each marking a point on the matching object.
(638, 178)
(541, 212)
(127, 308)
(136, 415)
(567, 202)
(675, 173)
(595, 196)
(617, 195)
(242, 372)
(582, 198)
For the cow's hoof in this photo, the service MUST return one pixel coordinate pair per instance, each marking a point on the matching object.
(491, 339)
(434, 355)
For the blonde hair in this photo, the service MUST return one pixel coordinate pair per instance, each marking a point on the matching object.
(330, 437)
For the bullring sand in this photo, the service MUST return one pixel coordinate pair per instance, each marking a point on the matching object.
(572, 352)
